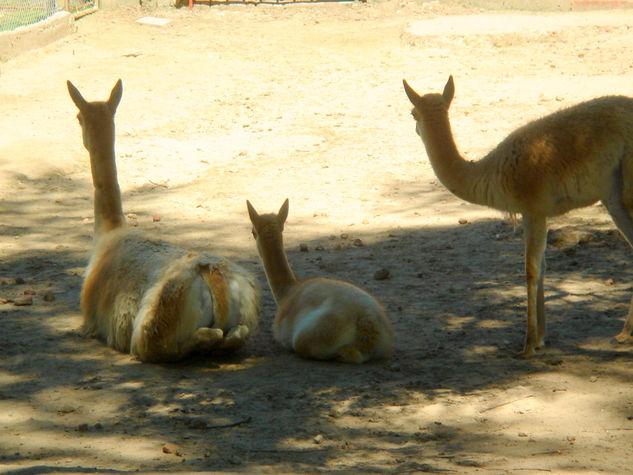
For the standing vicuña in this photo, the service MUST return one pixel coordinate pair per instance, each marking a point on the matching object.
(569, 159)
(318, 318)
(146, 296)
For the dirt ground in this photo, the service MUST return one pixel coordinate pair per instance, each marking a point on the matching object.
(305, 101)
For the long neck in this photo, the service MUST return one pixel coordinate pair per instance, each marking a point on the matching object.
(278, 271)
(463, 178)
(107, 195)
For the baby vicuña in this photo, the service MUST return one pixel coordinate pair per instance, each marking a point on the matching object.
(318, 318)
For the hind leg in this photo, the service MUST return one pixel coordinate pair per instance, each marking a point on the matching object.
(351, 354)
(207, 338)
(235, 338)
(621, 215)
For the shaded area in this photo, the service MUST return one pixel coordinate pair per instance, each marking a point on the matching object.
(213, 414)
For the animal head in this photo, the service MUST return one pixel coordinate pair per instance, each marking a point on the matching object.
(267, 228)
(96, 118)
(428, 106)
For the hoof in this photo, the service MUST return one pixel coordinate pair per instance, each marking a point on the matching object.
(623, 337)
(208, 338)
(235, 338)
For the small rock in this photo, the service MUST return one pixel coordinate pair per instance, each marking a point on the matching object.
(593, 379)
(170, 448)
(23, 301)
(29, 292)
(381, 274)
(48, 296)
(156, 218)
(344, 236)
(608, 282)
(99, 426)
(358, 243)
(522, 434)
(318, 439)
(303, 247)
(462, 221)
(82, 427)
(19, 280)
(319, 247)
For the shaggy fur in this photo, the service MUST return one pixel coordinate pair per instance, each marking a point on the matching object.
(318, 318)
(143, 295)
(566, 160)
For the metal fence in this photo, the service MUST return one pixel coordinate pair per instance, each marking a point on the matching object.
(17, 13)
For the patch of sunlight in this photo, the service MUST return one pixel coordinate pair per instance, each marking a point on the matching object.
(13, 412)
(488, 323)
(479, 350)
(134, 449)
(130, 385)
(453, 322)
(7, 378)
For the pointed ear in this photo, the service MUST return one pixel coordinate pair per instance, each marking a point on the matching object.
(449, 91)
(115, 96)
(251, 212)
(411, 94)
(76, 96)
(283, 213)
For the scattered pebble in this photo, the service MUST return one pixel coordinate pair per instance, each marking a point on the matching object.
(156, 218)
(462, 221)
(358, 243)
(318, 439)
(303, 247)
(381, 274)
(29, 292)
(82, 427)
(319, 247)
(608, 282)
(344, 236)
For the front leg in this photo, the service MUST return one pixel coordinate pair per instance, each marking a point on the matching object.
(535, 235)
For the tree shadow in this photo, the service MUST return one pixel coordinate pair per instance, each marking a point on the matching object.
(457, 310)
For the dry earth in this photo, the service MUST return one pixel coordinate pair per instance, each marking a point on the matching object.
(305, 101)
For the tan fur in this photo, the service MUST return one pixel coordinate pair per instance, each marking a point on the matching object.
(318, 318)
(143, 295)
(566, 160)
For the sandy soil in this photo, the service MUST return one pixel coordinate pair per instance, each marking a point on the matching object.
(305, 102)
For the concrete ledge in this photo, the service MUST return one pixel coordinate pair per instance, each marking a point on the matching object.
(24, 38)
